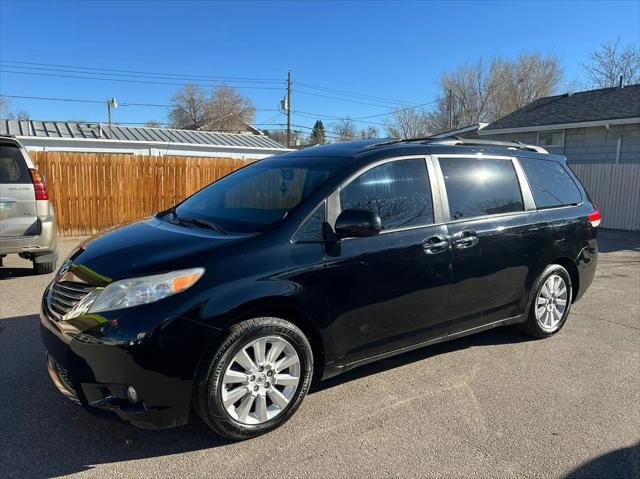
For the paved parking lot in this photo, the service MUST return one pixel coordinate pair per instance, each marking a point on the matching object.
(492, 405)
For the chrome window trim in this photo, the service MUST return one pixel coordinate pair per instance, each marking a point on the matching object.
(333, 200)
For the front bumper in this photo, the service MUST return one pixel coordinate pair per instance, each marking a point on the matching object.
(95, 370)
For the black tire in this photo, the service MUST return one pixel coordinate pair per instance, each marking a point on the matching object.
(208, 393)
(532, 325)
(44, 268)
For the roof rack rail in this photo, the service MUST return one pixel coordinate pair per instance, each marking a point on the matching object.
(516, 145)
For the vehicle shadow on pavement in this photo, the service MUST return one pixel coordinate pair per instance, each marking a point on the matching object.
(12, 272)
(619, 463)
(45, 435)
(503, 335)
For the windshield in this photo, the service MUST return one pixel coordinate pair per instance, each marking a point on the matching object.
(259, 195)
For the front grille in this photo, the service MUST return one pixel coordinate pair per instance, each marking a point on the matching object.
(62, 297)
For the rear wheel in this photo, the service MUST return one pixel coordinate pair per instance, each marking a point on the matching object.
(44, 268)
(256, 379)
(551, 302)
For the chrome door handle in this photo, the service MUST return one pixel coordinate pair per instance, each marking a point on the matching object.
(435, 244)
(465, 239)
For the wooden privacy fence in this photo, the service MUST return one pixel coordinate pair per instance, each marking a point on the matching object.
(92, 191)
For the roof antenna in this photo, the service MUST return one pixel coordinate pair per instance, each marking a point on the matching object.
(620, 85)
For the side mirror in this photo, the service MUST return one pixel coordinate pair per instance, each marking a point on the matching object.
(358, 223)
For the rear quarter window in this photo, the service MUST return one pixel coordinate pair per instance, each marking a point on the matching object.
(550, 183)
(13, 169)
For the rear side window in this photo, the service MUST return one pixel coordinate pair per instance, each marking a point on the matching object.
(398, 191)
(550, 183)
(13, 169)
(480, 187)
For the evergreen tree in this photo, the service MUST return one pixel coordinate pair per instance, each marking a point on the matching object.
(317, 136)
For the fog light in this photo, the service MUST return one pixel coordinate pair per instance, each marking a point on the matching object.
(132, 394)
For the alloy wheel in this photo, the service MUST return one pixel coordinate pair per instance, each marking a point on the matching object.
(551, 303)
(260, 380)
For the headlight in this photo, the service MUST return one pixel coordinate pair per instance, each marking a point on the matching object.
(136, 291)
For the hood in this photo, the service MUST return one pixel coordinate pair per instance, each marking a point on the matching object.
(144, 247)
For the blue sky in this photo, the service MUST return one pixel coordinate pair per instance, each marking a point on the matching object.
(394, 50)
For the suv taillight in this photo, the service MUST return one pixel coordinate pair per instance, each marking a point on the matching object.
(38, 185)
(595, 218)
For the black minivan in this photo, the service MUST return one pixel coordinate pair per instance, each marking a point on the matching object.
(308, 264)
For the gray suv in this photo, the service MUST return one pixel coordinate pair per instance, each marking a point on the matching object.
(27, 220)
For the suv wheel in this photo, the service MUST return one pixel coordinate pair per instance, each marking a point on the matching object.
(551, 302)
(256, 379)
(44, 268)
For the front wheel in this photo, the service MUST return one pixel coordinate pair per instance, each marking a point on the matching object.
(256, 379)
(551, 302)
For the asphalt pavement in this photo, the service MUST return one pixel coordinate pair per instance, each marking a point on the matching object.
(496, 404)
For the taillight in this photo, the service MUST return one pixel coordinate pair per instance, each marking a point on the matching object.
(595, 218)
(39, 186)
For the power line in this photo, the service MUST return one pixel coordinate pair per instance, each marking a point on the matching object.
(111, 75)
(354, 94)
(101, 102)
(415, 107)
(75, 100)
(145, 77)
(348, 100)
(121, 80)
(177, 75)
(331, 117)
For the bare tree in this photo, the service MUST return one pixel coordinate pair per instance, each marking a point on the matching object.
(4, 107)
(281, 136)
(368, 132)
(228, 110)
(610, 62)
(524, 80)
(486, 91)
(224, 110)
(407, 123)
(189, 108)
(20, 115)
(5, 111)
(153, 124)
(344, 129)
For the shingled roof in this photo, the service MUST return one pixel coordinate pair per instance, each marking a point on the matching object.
(579, 107)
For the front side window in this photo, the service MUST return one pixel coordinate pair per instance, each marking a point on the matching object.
(311, 229)
(398, 191)
(252, 199)
(551, 138)
(478, 187)
(550, 183)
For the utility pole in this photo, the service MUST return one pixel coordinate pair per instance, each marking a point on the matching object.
(289, 109)
(450, 108)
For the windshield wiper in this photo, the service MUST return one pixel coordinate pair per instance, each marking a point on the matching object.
(200, 222)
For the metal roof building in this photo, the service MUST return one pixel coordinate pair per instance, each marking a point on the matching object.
(96, 137)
